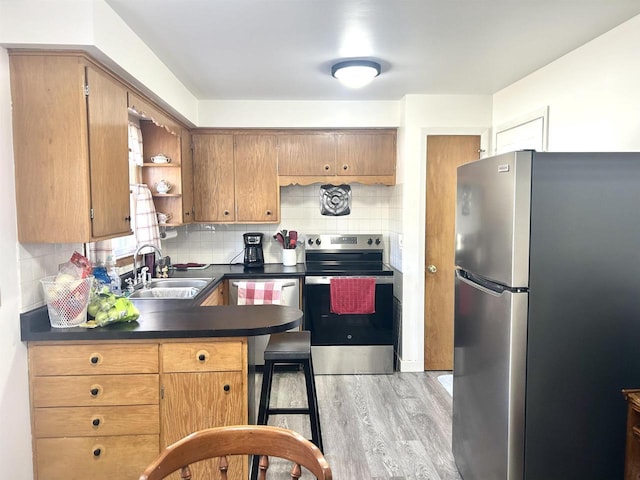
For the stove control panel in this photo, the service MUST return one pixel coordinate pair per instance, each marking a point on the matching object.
(357, 241)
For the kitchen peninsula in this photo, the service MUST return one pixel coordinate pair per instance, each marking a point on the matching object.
(107, 400)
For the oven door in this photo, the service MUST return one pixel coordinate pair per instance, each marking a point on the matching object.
(332, 329)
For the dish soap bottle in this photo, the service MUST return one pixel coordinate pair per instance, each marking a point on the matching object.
(115, 281)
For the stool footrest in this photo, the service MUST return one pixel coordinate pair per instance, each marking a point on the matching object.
(288, 411)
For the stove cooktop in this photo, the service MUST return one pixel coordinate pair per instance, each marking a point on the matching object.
(353, 254)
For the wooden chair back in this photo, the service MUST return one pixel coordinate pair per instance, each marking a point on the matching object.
(222, 442)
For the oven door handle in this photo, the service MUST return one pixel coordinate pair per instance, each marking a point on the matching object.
(284, 284)
(325, 280)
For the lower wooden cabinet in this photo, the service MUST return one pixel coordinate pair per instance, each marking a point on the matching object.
(98, 458)
(217, 297)
(105, 410)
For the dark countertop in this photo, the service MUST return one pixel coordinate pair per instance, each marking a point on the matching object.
(183, 318)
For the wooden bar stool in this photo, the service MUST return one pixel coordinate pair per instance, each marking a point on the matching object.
(285, 349)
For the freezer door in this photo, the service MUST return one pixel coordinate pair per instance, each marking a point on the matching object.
(489, 382)
(493, 218)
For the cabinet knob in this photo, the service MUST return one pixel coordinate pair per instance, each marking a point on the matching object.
(186, 214)
(127, 219)
(95, 391)
(97, 452)
(326, 168)
(268, 212)
(94, 359)
(225, 213)
(432, 269)
(95, 422)
(345, 167)
(226, 388)
(202, 355)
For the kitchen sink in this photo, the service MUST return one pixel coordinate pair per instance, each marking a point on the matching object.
(171, 293)
(178, 283)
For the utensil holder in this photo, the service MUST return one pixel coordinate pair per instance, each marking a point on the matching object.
(289, 257)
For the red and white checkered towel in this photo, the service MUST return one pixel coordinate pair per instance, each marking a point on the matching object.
(259, 293)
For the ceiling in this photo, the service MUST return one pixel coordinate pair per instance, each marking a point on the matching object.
(284, 49)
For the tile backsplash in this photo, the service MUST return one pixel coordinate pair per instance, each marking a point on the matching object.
(38, 260)
(374, 209)
(300, 211)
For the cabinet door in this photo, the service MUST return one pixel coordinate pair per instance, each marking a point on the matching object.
(215, 298)
(195, 401)
(108, 155)
(256, 180)
(213, 185)
(365, 153)
(307, 154)
(187, 176)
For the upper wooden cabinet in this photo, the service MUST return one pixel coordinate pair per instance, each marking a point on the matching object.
(235, 178)
(70, 148)
(337, 156)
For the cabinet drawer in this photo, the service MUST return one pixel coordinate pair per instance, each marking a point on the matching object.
(201, 357)
(96, 421)
(98, 359)
(98, 458)
(95, 390)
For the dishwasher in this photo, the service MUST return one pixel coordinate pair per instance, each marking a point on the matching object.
(290, 297)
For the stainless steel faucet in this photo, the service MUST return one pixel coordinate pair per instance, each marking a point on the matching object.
(135, 262)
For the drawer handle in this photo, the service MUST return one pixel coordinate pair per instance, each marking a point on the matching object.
(326, 168)
(97, 451)
(345, 167)
(268, 212)
(95, 422)
(202, 357)
(226, 388)
(95, 358)
(95, 390)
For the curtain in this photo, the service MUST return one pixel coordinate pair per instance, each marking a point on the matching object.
(135, 145)
(100, 252)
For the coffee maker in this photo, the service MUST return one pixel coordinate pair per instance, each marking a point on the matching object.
(253, 254)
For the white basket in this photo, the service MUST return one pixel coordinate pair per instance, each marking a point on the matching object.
(67, 301)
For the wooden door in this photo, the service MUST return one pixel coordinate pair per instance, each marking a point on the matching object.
(307, 154)
(195, 401)
(444, 154)
(365, 153)
(108, 155)
(213, 174)
(256, 178)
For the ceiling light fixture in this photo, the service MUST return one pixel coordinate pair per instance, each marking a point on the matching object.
(355, 73)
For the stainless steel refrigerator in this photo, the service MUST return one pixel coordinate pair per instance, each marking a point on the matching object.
(547, 314)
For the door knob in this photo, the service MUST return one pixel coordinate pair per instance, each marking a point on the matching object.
(432, 268)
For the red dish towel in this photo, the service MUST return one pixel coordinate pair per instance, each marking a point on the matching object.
(352, 295)
(259, 293)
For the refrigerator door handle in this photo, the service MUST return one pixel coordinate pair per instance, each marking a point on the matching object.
(465, 278)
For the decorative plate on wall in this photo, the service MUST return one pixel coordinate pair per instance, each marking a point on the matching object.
(335, 200)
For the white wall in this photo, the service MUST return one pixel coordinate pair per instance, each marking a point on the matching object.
(15, 437)
(593, 94)
(93, 26)
(424, 115)
(311, 114)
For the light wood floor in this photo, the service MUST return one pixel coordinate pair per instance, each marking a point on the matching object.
(375, 426)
